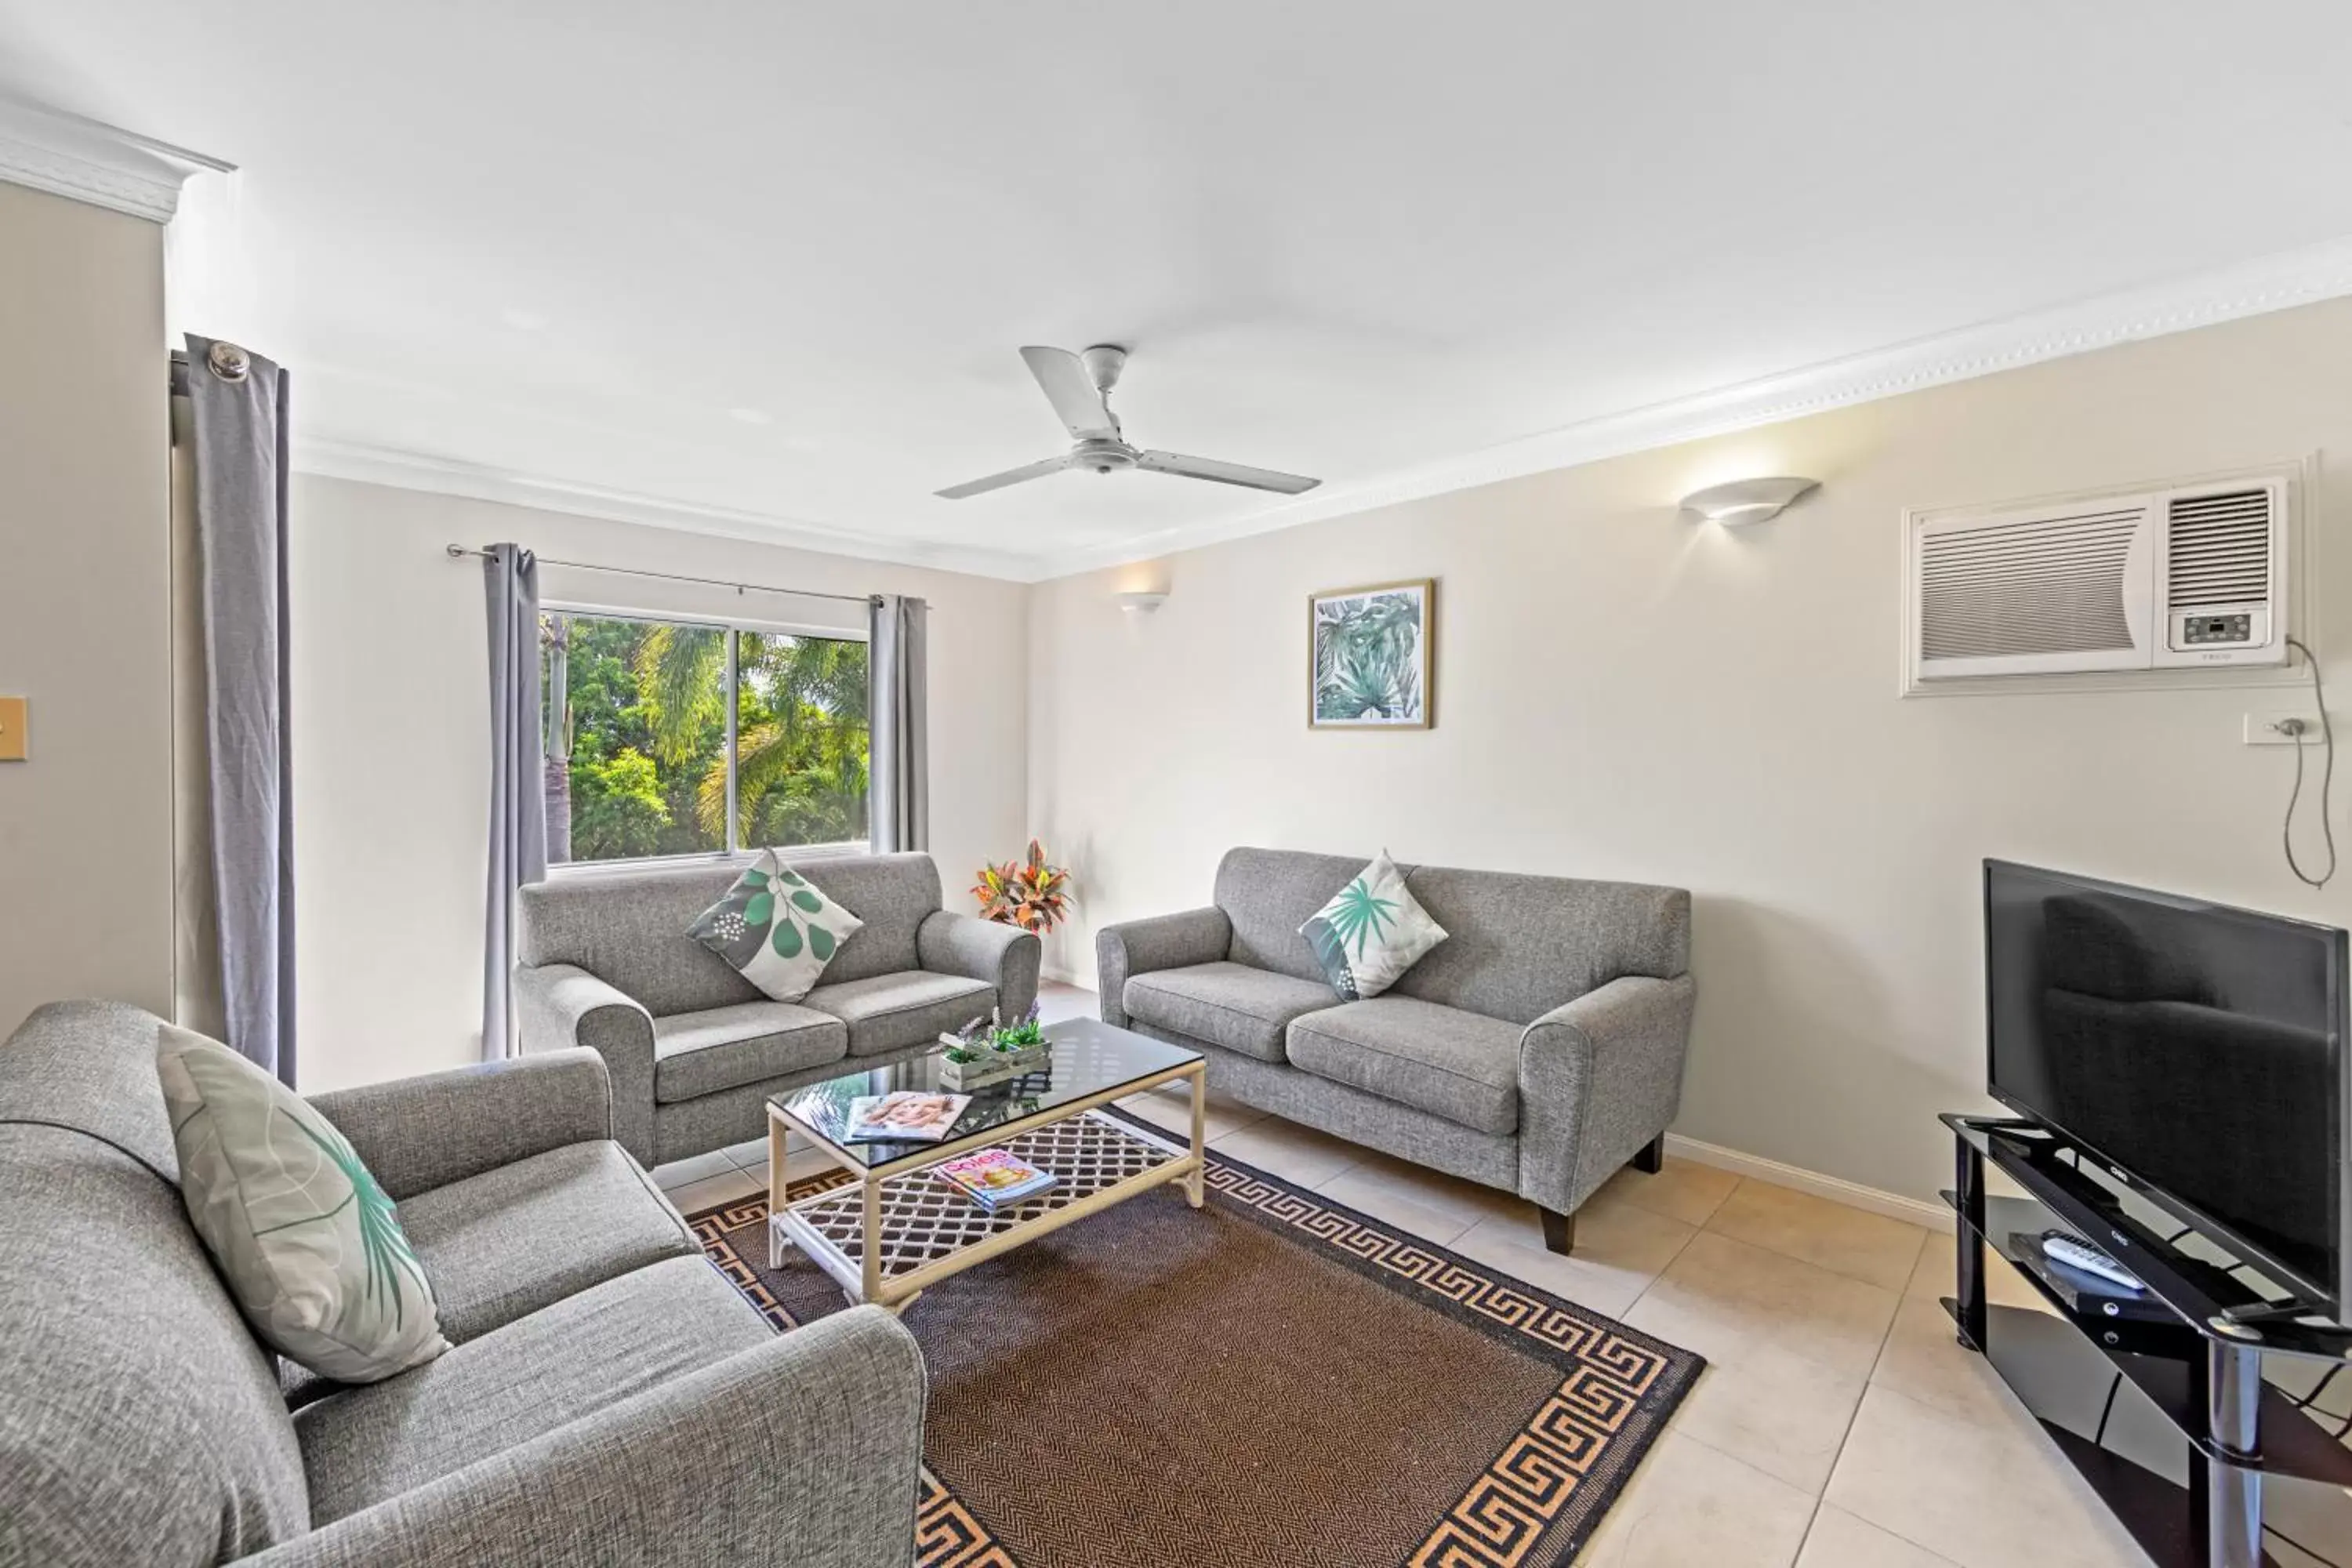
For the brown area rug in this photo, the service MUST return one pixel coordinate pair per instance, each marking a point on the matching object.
(1270, 1380)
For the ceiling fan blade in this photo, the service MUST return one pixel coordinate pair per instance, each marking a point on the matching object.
(1224, 473)
(1072, 392)
(1009, 477)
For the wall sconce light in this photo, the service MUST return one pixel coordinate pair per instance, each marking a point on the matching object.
(1140, 604)
(1743, 501)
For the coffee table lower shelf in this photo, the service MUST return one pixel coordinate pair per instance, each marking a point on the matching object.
(930, 1231)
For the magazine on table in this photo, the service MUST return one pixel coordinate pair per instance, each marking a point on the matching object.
(993, 1178)
(906, 1116)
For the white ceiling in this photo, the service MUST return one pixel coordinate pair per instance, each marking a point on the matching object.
(766, 266)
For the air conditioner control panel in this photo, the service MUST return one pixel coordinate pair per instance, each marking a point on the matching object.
(2223, 628)
(2216, 628)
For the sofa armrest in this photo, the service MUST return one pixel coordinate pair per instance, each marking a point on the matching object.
(560, 1007)
(948, 943)
(1599, 1078)
(1162, 942)
(803, 1451)
(418, 1134)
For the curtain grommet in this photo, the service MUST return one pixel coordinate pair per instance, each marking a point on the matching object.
(228, 361)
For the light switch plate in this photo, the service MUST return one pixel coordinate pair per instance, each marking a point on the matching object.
(13, 712)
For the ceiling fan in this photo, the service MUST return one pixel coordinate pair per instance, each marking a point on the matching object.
(1079, 386)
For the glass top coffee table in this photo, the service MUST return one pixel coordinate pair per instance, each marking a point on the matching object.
(898, 1229)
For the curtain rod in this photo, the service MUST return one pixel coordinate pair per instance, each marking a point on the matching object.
(458, 552)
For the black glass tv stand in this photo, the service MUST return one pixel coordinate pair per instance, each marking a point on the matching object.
(2184, 1409)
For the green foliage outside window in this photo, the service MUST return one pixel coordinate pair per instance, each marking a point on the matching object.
(637, 756)
(617, 807)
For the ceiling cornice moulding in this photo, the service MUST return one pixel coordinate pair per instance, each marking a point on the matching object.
(85, 161)
(443, 475)
(2255, 288)
(2249, 289)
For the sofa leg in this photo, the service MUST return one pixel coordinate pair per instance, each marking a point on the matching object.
(1651, 1156)
(1559, 1231)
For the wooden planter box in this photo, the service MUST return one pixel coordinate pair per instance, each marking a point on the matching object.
(994, 1067)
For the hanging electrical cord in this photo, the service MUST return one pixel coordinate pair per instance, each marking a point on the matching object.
(2294, 729)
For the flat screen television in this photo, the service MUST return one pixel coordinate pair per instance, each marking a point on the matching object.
(2197, 1049)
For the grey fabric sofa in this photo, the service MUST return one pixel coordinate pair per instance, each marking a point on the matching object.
(694, 1048)
(609, 1399)
(1538, 1049)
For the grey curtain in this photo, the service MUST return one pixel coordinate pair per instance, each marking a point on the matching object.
(898, 808)
(518, 798)
(237, 418)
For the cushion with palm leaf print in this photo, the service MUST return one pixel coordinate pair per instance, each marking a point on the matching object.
(776, 928)
(310, 1247)
(1371, 932)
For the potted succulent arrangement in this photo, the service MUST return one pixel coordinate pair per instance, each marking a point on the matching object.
(987, 1050)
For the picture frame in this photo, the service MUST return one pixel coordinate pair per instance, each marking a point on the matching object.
(1372, 657)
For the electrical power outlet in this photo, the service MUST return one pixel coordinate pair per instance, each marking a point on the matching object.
(2269, 729)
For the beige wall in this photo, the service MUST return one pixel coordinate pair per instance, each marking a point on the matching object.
(391, 738)
(1621, 693)
(86, 824)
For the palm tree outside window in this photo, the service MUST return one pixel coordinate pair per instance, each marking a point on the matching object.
(671, 738)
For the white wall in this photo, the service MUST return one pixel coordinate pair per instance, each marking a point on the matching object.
(1622, 694)
(84, 614)
(392, 755)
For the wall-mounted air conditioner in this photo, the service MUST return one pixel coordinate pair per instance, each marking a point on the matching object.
(2182, 577)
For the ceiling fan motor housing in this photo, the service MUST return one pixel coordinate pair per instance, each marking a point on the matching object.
(1103, 457)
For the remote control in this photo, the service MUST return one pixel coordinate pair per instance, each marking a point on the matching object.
(2077, 1253)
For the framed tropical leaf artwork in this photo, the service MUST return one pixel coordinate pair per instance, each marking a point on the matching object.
(1369, 656)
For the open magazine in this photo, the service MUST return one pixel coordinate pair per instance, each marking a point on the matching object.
(907, 1116)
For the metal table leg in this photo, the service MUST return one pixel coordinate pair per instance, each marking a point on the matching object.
(1969, 1282)
(1196, 1184)
(2233, 1494)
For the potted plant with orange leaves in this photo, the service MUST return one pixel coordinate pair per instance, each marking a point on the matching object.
(1031, 893)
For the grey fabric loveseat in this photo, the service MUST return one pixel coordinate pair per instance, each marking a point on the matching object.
(694, 1048)
(1538, 1049)
(608, 1399)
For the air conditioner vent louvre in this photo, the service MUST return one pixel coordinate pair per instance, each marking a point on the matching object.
(2221, 549)
(2046, 585)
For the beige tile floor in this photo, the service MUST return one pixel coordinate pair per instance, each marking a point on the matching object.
(1838, 1425)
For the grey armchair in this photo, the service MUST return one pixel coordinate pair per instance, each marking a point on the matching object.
(607, 1399)
(695, 1049)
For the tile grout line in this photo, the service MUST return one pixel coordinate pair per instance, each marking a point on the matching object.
(1697, 1231)
(1323, 1187)
(1821, 1497)
(1709, 1218)
(1766, 1247)
(1846, 1437)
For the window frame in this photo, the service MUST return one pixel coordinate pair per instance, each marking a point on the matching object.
(734, 626)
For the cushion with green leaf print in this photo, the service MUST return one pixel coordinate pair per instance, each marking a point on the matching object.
(1371, 932)
(776, 928)
(310, 1245)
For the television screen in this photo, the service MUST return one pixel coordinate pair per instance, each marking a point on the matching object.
(2198, 1048)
